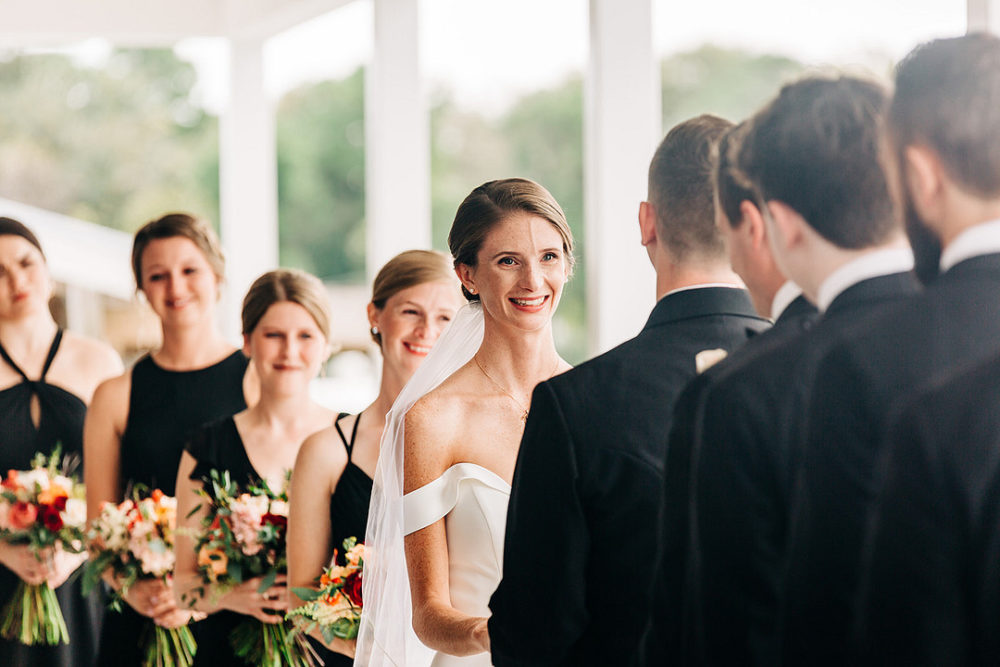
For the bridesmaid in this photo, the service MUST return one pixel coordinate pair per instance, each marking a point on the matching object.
(136, 428)
(47, 377)
(286, 331)
(414, 297)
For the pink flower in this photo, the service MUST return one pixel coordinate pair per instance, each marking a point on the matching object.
(23, 515)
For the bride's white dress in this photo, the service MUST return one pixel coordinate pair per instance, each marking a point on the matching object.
(473, 501)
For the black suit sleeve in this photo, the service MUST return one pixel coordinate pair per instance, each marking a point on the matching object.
(913, 609)
(667, 633)
(738, 527)
(839, 436)
(539, 607)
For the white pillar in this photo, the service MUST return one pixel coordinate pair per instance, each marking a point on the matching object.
(983, 15)
(397, 138)
(248, 177)
(83, 311)
(622, 128)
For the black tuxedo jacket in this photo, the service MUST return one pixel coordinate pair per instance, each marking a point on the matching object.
(664, 636)
(956, 321)
(933, 577)
(742, 464)
(582, 520)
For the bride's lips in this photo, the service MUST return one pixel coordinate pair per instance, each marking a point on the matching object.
(529, 305)
(413, 348)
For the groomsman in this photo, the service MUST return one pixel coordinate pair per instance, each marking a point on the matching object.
(581, 524)
(944, 130)
(812, 156)
(774, 296)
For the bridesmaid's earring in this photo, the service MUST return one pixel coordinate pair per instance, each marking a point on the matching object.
(374, 331)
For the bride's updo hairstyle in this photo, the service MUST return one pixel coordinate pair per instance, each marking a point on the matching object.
(491, 203)
(291, 285)
(194, 229)
(408, 269)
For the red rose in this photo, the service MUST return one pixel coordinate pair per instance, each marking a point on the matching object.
(352, 588)
(60, 503)
(23, 515)
(276, 520)
(52, 519)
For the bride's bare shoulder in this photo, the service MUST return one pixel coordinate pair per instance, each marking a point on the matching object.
(439, 410)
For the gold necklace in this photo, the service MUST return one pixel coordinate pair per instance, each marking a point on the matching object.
(524, 415)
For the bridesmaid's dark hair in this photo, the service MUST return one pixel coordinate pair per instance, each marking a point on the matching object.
(172, 225)
(12, 227)
(405, 270)
(489, 204)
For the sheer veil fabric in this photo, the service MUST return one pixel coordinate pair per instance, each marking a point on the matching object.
(386, 636)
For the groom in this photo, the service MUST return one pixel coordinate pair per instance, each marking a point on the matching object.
(582, 521)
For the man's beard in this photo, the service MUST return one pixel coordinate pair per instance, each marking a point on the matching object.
(925, 243)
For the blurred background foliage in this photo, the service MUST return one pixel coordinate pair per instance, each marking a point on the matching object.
(123, 143)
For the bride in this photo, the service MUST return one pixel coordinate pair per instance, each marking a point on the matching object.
(443, 478)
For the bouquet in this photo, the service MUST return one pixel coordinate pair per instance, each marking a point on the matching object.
(335, 608)
(135, 540)
(44, 508)
(243, 537)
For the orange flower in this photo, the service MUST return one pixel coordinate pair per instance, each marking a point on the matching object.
(49, 495)
(214, 558)
(22, 515)
(324, 580)
(10, 482)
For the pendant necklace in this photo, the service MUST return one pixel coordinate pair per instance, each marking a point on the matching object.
(524, 410)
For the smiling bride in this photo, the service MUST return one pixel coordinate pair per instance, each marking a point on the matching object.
(439, 505)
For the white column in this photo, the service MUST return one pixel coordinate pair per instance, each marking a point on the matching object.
(622, 128)
(83, 311)
(983, 15)
(248, 178)
(397, 138)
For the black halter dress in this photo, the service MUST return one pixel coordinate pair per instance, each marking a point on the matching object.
(219, 446)
(165, 407)
(61, 422)
(349, 508)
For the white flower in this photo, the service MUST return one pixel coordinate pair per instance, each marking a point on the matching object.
(39, 476)
(279, 508)
(75, 514)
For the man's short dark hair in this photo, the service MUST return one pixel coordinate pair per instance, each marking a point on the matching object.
(730, 189)
(948, 98)
(680, 189)
(816, 148)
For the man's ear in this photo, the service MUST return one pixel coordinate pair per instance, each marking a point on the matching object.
(787, 225)
(647, 223)
(753, 224)
(924, 176)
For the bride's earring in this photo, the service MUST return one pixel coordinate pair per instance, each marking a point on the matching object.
(374, 331)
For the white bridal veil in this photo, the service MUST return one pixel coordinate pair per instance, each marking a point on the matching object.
(386, 635)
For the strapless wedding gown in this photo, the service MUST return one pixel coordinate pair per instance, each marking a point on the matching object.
(473, 502)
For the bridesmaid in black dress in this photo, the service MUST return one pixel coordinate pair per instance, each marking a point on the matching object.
(414, 297)
(47, 377)
(139, 421)
(286, 328)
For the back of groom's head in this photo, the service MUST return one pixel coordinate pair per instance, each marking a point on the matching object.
(681, 190)
(816, 148)
(947, 98)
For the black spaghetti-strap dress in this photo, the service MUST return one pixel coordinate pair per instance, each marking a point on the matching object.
(349, 508)
(165, 407)
(61, 422)
(218, 446)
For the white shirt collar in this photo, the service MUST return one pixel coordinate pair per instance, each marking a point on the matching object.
(981, 239)
(870, 265)
(783, 298)
(699, 286)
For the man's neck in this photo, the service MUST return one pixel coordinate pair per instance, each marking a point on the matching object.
(678, 276)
